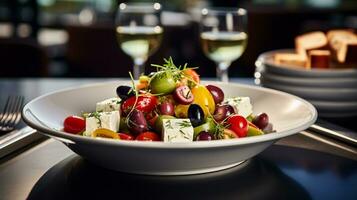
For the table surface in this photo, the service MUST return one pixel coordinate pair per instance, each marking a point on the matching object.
(302, 166)
(51, 171)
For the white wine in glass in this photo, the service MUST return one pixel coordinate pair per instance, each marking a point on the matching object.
(139, 32)
(224, 46)
(223, 37)
(139, 42)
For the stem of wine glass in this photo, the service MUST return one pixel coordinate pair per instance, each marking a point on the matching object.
(222, 71)
(139, 67)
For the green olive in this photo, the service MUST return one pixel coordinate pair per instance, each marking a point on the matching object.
(252, 131)
(162, 83)
(250, 118)
(181, 111)
(208, 126)
(123, 127)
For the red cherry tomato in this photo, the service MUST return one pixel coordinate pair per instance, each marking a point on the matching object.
(125, 136)
(144, 104)
(193, 74)
(148, 136)
(74, 124)
(166, 108)
(239, 125)
(151, 118)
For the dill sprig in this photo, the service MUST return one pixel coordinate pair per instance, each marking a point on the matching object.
(136, 97)
(96, 115)
(219, 130)
(168, 124)
(184, 124)
(219, 126)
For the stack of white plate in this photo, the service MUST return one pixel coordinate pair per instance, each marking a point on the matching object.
(332, 91)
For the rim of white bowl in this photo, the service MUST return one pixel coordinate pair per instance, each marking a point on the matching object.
(70, 138)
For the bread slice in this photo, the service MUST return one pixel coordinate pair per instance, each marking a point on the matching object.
(310, 41)
(290, 59)
(319, 59)
(343, 44)
(339, 32)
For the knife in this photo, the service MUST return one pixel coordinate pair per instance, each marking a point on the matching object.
(334, 131)
(18, 139)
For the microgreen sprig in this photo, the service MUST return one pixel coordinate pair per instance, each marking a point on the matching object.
(220, 126)
(176, 71)
(133, 89)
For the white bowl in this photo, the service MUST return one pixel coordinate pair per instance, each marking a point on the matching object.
(266, 60)
(288, 113)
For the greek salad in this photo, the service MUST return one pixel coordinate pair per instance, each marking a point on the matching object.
(170, 105)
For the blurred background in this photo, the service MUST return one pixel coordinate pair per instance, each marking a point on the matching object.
(76, 38)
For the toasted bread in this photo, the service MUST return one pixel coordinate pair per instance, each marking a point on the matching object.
(345, 32)
(319, 59)
(290, 59)
(310, 41)
(343, 44)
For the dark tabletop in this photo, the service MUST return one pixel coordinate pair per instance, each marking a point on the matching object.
(302, 166)
(51, 171)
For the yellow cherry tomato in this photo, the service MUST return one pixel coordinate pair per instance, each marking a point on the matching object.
(144, 79)
(181, 111)
(106, 133)
(204, 99)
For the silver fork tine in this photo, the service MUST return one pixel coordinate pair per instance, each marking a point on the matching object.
(7, 109)
(3, 114)
(11, 109)
(11, 112)
(8, 114)
(18, 117)
(17, 113)
(11, 115)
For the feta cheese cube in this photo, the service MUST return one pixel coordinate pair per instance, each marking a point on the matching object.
(242, 105)
(109, 120)
(108, 105)
(177, 130)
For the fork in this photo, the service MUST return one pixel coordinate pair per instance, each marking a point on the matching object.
(11, 115)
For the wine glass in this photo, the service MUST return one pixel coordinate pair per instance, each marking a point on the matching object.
(223, 35)
(139, 32)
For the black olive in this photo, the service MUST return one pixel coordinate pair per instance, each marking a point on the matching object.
(124, 92)
(196, 115)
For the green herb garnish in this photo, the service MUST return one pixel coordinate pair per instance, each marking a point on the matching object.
(169, 67)
(96, 115)
(184, 124)
(184, 134)
(168, 124)
(133, 89)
